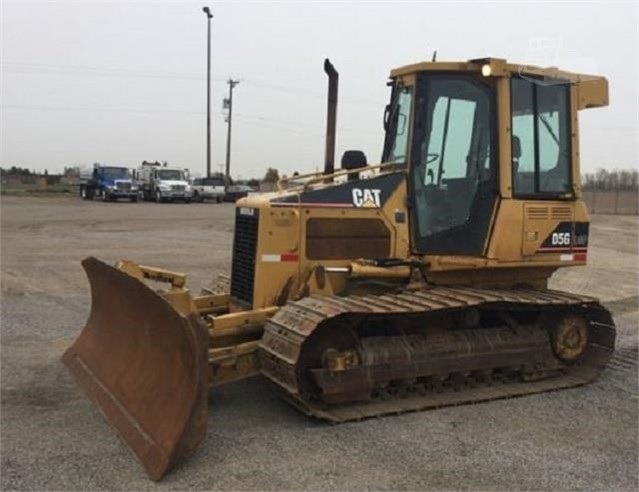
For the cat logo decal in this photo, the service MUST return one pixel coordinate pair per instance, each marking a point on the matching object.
(367, 198)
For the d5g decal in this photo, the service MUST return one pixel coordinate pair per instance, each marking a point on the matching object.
(566, 237)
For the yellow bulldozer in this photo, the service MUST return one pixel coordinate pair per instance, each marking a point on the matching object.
(413, 284)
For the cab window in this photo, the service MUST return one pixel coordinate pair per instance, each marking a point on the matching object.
(213, 182)
(540, 137)
(397, 125)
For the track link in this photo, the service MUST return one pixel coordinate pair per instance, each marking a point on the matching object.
(501, 361)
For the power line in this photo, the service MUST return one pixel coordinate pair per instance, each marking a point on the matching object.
(304, 91)
(98, 109)
(93, 71)
(265, 121)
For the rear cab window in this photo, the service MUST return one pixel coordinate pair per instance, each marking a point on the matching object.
(541, 138)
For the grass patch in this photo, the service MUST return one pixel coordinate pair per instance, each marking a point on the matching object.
(33, 190)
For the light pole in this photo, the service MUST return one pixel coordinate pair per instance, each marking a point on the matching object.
(209, 16)
(228, 103)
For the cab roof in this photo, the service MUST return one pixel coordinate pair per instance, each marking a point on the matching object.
(592, 89)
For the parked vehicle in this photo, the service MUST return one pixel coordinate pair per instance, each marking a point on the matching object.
(162, 183)
(108, 183)
(212, 188)
(235, 192)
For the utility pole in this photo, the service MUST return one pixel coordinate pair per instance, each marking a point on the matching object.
(209, 16)
(228, 104)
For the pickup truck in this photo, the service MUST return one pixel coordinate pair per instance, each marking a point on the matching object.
(208, 189)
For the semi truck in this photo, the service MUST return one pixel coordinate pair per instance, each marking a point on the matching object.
(163, 183)
(108, 183)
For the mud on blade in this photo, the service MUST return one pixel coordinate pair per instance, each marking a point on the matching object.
(144, 365)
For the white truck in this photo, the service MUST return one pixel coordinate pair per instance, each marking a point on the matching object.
(163, 183)
(211, 188)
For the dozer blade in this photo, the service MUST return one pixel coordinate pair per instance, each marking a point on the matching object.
(144, 365)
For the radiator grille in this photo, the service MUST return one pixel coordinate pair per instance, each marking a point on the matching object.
(177, 187)
(123, 185)
(244, 249)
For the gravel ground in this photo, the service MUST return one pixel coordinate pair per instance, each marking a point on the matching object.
(53, 438)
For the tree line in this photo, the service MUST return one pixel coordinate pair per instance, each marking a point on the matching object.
(602, 179)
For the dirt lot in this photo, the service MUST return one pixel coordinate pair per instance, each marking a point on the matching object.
(53, 438)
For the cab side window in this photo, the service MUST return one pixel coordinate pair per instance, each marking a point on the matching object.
(540, 137)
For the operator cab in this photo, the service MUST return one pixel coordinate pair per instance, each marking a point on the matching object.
(442, 126)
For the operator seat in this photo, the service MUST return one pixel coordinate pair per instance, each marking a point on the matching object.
(353, 159)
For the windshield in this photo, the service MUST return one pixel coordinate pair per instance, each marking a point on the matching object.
(213, 182)
(397, 124)
(170, 174)
(116, 172)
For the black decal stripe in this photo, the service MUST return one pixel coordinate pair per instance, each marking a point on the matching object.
(341, 195)
(578, 232)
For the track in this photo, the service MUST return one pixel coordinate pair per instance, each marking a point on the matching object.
(424, 349)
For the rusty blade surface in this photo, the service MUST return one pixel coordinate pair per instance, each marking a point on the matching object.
(144, 365)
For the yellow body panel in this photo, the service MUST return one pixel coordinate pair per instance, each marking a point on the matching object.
(518, 226)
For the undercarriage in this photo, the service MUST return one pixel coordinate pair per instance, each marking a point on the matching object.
(346, 359)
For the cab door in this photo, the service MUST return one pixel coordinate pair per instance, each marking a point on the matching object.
(454, 182)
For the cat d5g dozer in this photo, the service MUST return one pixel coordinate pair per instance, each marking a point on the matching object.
(417, 283)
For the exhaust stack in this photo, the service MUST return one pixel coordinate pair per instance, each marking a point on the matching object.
(331, 117)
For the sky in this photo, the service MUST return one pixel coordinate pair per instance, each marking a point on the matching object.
(123, 82)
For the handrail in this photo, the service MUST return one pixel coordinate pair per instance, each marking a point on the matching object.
(321, 177)
(299, 176)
